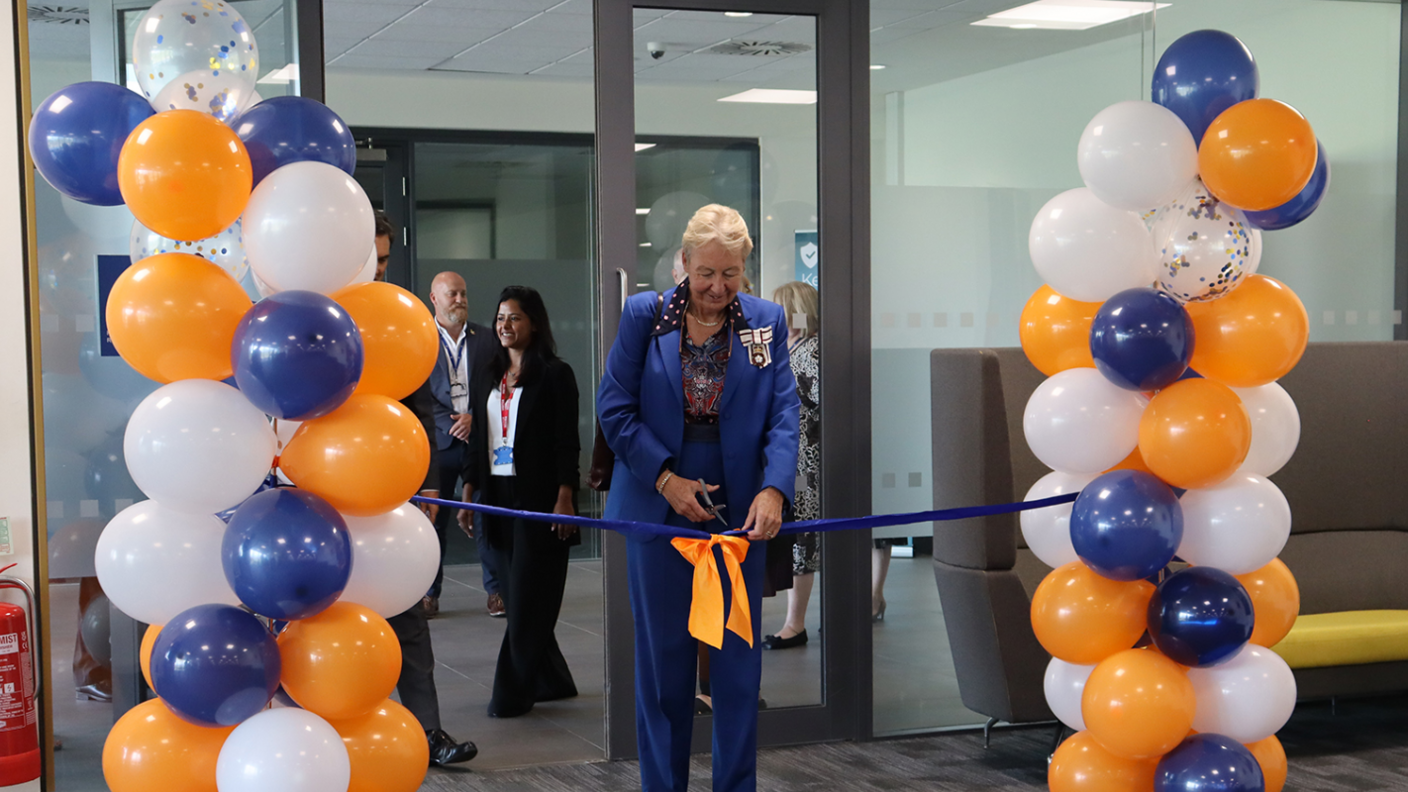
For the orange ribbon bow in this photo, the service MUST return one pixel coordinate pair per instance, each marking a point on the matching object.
(706, 610)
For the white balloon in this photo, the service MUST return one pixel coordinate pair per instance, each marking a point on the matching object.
(1080, 422)
(367, 273)
(1134, 155)
(1064, 685)
(283, 750)
(308, 226)
(1237, 526)
(198, 446)
(1275, 428)
(1247, 698)
(1206, 248)
(225, 249)
(1088, 250)
(222, 97)
(178, 37)
(1048, 530)
(394, 560)
(154, 562)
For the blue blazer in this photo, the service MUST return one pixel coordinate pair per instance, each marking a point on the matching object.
(641, 407)
(480, 345)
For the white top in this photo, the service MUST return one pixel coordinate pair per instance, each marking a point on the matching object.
(458, 369)
(494, 416)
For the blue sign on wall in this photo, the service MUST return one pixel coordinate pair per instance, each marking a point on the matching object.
(109, 269)
(808, 257)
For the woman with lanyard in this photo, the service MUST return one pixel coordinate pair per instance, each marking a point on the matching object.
(524, 455)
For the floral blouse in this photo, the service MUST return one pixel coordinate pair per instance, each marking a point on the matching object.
(703, 368)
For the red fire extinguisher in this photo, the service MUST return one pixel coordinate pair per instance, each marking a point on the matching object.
(19, 734)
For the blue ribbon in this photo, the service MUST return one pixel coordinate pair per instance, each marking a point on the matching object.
(805, 526)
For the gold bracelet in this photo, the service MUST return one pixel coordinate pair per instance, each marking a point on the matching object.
(665, 479)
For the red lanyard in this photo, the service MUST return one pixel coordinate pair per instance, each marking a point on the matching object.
(505, 399)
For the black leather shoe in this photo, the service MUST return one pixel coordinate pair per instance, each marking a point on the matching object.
(444, 750)
(774, 642)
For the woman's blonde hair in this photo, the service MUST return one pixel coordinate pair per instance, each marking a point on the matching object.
(718, 223)
(796, 298)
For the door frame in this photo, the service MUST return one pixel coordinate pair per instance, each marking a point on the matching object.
(843, 178)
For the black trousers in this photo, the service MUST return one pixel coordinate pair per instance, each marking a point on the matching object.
(531, 667)
(417, 682)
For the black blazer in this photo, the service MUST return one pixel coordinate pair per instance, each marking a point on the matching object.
(546, 449)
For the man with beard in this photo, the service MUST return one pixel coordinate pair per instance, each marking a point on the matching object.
(465, 348)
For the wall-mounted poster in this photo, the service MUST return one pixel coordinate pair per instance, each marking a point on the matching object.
(808, 257)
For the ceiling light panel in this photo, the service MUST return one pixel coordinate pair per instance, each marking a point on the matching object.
(772, 96)
(1068, 14)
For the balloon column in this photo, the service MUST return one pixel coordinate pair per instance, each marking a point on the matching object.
(218, 184)
(1162, 346)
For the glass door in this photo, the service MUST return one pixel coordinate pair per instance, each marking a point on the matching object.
(728, 104)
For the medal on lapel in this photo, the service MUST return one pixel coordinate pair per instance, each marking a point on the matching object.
(758, 343)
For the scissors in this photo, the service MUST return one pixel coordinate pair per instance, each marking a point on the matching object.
(709, 506)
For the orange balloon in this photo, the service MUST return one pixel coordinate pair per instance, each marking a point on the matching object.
(1252, 336)
(340, 663)
(1138, 704)
(365, 458)
(144, 654)
(152, 748)
(1081, 765)
(1084, 618)
(1195, 433)
(1272, 758)
(173, 316)
(1275, 602)
(1135, 461)
(1055, 331)
(388, 749)
(184, 175)
(1258, 154)
(399, 341)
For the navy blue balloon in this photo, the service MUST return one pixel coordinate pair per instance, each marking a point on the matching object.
(286, 129)
(297, 355)
(1141, 339)
(1301, 206)
(1209, 763)
(215, 665)
(287, 554)
(1200, 616)
(1202, 74)
(77, 134)
(1126, 525)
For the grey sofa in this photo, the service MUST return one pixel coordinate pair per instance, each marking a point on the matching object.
(1346, 486)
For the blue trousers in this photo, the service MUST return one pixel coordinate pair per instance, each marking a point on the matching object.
(661, 583)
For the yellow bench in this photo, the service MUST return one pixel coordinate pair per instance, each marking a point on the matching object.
(1346, 638)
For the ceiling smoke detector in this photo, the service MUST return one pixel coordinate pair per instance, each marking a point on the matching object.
(765, 48)
(58, 15)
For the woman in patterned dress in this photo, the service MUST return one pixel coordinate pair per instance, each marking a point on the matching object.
(800, 305)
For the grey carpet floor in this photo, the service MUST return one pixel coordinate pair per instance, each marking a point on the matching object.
(1362, 747)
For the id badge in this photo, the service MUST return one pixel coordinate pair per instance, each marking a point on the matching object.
(503, 455)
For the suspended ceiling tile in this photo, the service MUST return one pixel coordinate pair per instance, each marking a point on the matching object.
(572, 24)
(346, 13)
(528, 7)
(447, 16)
(464, 37)
(918, 5)
(880, 17)
(699, 33)
(890, 35)
(714, 16)
(567, 69)
(333, 47)
(509, 51)
(936, 19)
(490, 66)
(573, 7)
(354, 61)
(389, 48)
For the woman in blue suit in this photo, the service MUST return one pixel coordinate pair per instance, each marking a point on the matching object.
(697, 398)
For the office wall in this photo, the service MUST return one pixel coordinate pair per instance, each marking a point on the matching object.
(786, 133)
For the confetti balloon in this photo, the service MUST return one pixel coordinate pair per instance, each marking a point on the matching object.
(1206, 248)
(225, 249)
(179, 38)
(224, 96)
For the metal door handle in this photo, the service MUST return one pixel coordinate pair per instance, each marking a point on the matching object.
(621, 275)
